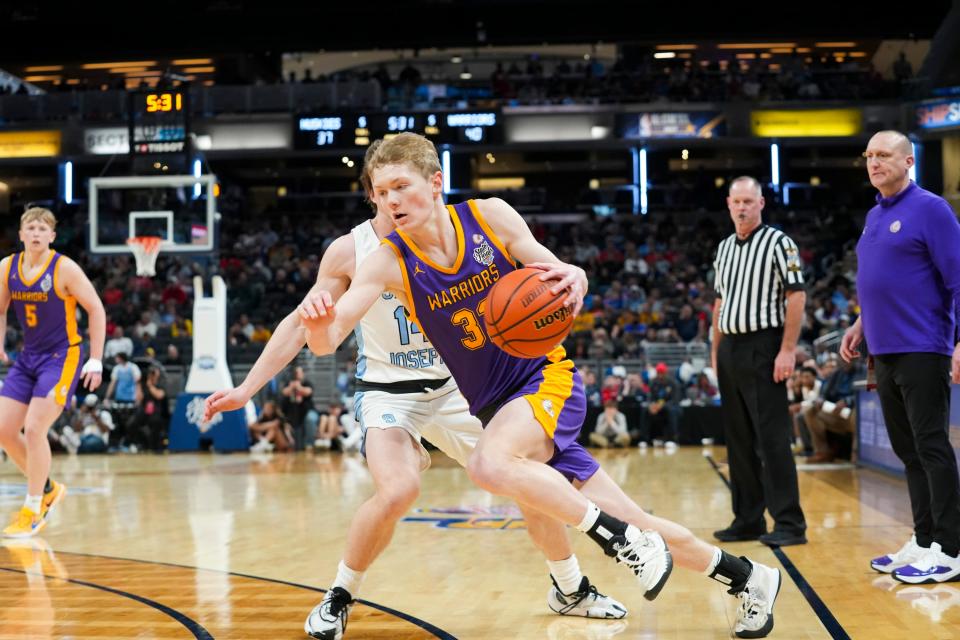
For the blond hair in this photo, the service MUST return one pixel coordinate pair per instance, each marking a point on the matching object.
(405, 148)
(38, 214)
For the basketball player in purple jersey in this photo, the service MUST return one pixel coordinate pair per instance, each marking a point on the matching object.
(420, 401)
(45, 288)
(441, 261)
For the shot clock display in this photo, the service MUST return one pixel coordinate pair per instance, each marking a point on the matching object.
(159, 122)
(358, 129)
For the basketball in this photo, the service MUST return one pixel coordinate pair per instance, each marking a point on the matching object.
(523, 318)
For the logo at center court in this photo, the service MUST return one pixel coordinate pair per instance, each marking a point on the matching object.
(496, 518)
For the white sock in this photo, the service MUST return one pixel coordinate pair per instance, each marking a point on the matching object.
(33, 503)
(348, 579)
(713, 562)
(566, 573)
(589, 518)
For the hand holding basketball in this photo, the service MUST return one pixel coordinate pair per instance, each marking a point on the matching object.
(569, 277)
(524, 316)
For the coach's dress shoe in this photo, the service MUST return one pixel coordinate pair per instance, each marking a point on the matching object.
(782, 538)
(738, 534)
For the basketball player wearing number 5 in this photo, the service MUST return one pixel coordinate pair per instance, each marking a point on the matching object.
(45, 288)
(441, 262)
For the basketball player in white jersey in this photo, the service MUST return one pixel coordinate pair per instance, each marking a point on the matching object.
(404, 392)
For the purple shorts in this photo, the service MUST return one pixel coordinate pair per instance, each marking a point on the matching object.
(36, 375)
(556, 395)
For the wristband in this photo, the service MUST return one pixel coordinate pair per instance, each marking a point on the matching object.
(92, 366)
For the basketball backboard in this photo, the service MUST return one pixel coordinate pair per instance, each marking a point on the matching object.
(182, 210)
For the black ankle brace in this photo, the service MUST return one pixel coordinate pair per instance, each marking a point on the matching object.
(605, 528)
(732, 571)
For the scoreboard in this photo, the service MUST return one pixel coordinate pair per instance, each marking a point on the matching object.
(159, 122)
(352, 130)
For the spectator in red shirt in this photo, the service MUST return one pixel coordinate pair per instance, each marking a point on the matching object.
(175, 292)
(112, 294)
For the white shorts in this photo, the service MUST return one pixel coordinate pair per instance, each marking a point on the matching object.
(442, 416)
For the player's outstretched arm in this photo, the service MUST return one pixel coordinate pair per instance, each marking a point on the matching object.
(512, 229)
(327, 324)
(289, 337)
(75, 283)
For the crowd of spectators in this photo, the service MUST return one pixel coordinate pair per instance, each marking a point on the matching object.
(537, 80)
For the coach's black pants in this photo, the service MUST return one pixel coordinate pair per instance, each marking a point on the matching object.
(914, 390)
(758, 430)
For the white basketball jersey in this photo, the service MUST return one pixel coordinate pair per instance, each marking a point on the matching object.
(390, 348)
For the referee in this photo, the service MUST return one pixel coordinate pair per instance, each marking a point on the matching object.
(756, 322)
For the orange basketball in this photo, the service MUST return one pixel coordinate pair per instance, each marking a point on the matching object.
(523, 318)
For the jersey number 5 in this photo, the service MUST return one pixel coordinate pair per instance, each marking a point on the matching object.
(30, 310)
(467, 319)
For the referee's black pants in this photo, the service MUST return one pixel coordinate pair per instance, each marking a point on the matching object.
(914, 390)
(758, 431)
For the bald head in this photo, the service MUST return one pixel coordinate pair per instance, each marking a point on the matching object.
(892, 141)
(748, 182)
(889, 158)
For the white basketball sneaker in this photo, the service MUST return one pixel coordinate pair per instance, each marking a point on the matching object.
(646, 554)
(328, 620)
(932, 566)
(586, 602)
(755, 614)
(909, 552)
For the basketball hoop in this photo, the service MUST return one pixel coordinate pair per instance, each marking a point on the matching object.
(145, 250)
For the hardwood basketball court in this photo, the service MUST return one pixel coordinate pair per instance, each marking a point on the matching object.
(240, 546)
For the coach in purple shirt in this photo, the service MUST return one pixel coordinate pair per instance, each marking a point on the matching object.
(908, 283)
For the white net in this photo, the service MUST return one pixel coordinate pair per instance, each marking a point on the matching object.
(145, 250)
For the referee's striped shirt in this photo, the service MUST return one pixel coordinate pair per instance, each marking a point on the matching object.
(751, 278)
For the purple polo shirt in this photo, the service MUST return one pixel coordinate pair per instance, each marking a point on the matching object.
(908, 277)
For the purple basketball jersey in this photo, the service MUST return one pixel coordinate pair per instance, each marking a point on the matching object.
(448, 305)
(49, 322)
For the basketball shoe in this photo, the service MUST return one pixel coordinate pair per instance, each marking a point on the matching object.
(25, 524)
(586, 602)
(646, 554)
(51, 498)
(755, 613)
(328, 620)
(909, 552)
(932, 566)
